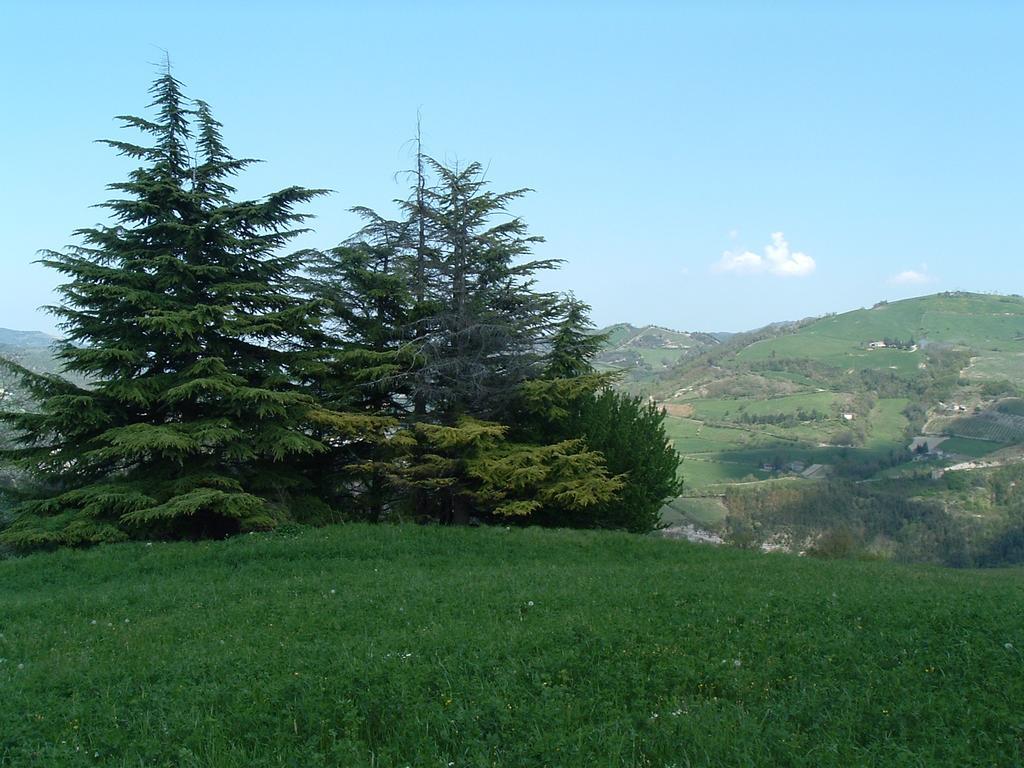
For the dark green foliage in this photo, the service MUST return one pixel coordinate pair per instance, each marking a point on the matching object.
(481, 323)
(1007, 546)
(363, 288)
(184, 322)
(207, 388)
(630, 433)
(572, 401)
(1001, 388)
(471, 470)
(574, 343)
(435, 322)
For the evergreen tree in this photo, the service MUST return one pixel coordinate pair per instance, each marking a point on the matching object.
(573, 401)
(364, 289)
(182, 318)
(629, 433)
(483, 323)
(439, 325)
(575, 343)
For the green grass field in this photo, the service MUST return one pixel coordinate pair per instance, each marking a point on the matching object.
(692, 436)
(706, 511)
(824, 402)
(410, 646)
(991, 366)
(887, 423)
(714, 455)
(965, 446)
(699, 472)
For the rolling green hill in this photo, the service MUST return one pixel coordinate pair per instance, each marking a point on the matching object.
(395, 646)
(992, 327)
(642, 352)
(849, 393)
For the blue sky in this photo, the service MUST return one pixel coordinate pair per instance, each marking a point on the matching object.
(705, 165)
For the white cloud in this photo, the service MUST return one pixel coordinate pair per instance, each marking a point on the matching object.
(912, 277)
(778, 260)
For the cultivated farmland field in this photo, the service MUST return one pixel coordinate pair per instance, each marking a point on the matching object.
(990, 425)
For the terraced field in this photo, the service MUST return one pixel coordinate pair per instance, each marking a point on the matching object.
(723, 450)
(989, 425)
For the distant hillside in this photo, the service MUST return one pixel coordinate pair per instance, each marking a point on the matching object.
(992, 327)
(846, 395)
(24, 339)
(30, 349)
(649, 350)
(895, 339)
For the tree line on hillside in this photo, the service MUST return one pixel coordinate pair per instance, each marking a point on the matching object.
(414, 371)
(842, 519)
(911, 520)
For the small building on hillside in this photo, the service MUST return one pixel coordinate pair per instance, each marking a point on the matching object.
(817, 471)
(877, 345)
(928, 445)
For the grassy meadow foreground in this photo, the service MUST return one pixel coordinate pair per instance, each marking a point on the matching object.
(428, 646)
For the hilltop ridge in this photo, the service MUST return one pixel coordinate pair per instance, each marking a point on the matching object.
(25, 339)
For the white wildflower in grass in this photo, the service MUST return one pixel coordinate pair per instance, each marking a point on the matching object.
(93, 622)
(334, 592)
(529, 603)
(1008, 646)
(737, 663)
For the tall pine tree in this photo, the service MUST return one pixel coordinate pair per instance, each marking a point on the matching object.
(435, 321)
(483, 322)
(181, 316)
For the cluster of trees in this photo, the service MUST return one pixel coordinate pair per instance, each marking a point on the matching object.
(842, 518)
(982, 526)
(898, 343)
(413, 372)
(800, 416)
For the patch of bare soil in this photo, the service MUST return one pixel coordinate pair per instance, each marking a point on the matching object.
(682, 410)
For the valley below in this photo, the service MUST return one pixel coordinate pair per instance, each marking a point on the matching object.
(916, 402)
